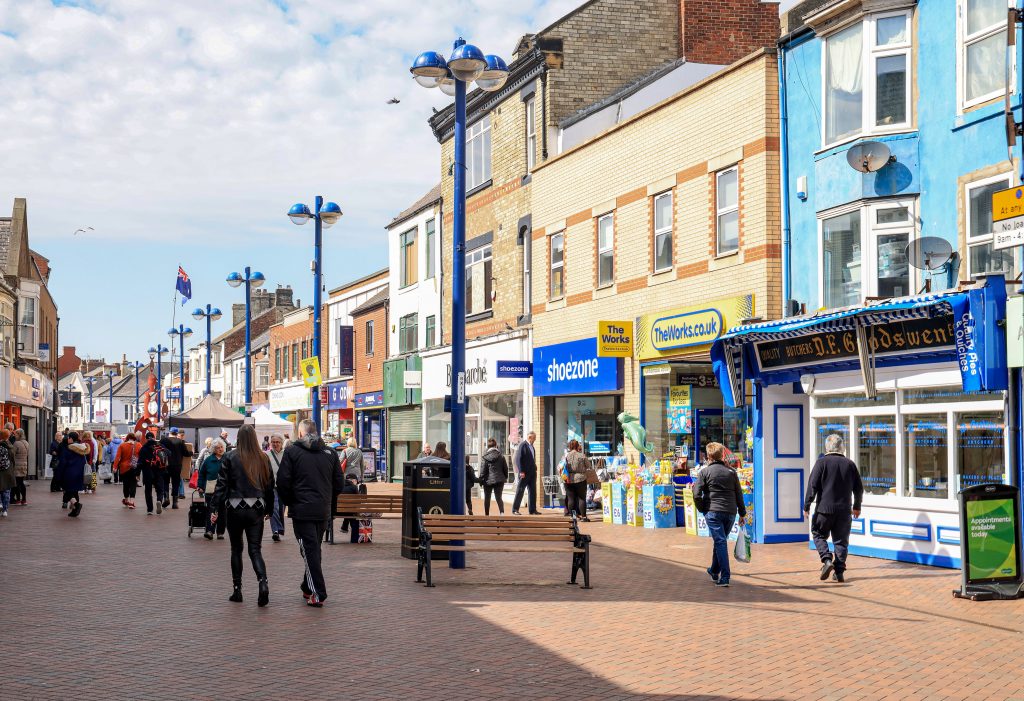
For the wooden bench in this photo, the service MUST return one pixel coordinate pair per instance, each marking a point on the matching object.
(504, 534)
(353, 505)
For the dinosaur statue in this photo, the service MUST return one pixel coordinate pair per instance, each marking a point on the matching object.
(635, 432)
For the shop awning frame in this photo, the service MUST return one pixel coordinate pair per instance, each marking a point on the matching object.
(978, 315)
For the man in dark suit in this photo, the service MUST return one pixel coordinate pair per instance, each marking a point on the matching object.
(177, 451)
(525, 461)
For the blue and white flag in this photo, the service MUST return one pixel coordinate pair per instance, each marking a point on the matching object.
(184, 286)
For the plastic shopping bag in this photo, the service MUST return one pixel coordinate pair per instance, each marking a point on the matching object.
(741, 551)
(365, 531)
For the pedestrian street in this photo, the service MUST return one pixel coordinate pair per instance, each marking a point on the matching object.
(118, 605)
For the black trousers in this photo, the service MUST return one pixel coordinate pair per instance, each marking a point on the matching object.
(527, 483)
(154, 479)
(496, 490)
(310, 534)
(576, 498)
(172, 482)
(71, 493)
(248, 522)
(19, 493)
(222, 519)
(838, 527)
(469, 500)
(128, 485)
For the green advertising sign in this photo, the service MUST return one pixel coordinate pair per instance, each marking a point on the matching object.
(991, 539)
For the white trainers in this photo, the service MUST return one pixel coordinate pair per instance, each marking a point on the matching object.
(3, 513)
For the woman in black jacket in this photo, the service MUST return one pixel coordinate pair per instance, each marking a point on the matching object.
(245, 487)
(493, 475)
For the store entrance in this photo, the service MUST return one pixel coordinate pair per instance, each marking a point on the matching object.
(710, 428)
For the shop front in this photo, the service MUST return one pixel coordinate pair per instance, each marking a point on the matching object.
(583, 397)
(26, 398)
(919, 391)
(340, 416)
(371, 430)
(681, 405)
(404, 402)
(293, 403)
(497, 395)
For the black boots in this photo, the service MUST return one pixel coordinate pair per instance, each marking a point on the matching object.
(236, 595)
(264, 593)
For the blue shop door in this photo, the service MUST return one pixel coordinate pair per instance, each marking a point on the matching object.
(709, 428)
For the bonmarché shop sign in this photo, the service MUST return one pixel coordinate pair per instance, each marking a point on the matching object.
(896, 337)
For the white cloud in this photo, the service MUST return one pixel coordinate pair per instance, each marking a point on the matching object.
(192, 124)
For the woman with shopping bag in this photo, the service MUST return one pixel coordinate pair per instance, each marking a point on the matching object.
(717, 494)
(126, 465)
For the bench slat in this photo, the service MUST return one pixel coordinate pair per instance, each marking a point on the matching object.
(501, 531)
(493, 549)
(495, 536)
(519, 523)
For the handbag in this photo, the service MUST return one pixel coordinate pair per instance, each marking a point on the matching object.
(592, 477)
(193, 480)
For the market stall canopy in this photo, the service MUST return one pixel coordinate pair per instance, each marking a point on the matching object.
(966, 326)
(209, 413)
(266, 421)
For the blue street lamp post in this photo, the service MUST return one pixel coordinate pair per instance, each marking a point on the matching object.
(157, 352)
(136, 365)
(252, 279)
(182, 332)
(466, 64)
(89, 381)
(323, 215)
(111, 374)
(211, 314)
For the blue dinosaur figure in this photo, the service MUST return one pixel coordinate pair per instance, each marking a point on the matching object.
(635, 432)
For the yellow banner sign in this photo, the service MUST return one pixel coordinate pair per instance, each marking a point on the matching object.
(1008, 203)
(310, 371)
(615, 339)
(691, 329)
(679, 395)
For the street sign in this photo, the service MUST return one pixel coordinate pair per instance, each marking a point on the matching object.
(412, 379)
(1015, 331)
(614, 339)
(44, 352)
(310, 371)
(173, 393)
(1008, 233)
(514, 368)
(1008, 203)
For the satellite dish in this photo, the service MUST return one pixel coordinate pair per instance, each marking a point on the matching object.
(869, 156)
(929, 252)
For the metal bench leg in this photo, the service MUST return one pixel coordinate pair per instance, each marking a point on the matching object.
(426, 561)
(577, 564)
(419, 566)
(330, 532)
(586, 566)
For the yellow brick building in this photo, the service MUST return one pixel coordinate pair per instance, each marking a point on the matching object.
(669, 220)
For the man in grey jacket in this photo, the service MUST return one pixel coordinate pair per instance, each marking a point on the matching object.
(717, 494)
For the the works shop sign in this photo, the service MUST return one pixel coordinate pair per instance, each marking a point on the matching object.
(574, 368)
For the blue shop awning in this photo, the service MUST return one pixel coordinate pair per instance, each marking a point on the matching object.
(963, 325)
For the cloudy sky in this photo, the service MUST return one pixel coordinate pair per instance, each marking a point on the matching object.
(182, 131)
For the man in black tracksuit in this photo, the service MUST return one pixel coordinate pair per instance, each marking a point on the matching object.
(177, 451)
(834, 478)
(308, 483)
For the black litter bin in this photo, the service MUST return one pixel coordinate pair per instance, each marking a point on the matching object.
(426, 485)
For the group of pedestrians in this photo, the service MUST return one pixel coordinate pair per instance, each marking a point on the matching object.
(13, 468)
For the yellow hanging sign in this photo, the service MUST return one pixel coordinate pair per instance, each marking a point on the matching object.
(615, 339)
(310, 371)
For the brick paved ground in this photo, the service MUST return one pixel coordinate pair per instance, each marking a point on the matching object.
(117, 605)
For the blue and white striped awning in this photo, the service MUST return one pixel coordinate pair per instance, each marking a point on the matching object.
(980, 346)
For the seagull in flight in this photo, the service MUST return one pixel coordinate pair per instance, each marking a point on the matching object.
(394, 101)
(83, 231)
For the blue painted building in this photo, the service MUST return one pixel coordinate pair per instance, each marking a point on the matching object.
(902, 352)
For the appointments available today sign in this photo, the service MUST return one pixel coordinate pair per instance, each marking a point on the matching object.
(991, 539)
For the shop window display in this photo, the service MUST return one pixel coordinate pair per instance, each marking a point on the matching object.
(926, 456)
(876, 453)
(980, 455)
(823, 428)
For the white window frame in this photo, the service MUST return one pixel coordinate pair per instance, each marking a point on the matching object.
(963, 41)
(969, 241)
(663, 231)
(430, 237)
(729, 209)
(900, 410)
(869, 232)
(531, 134)
(32, 348)
(430, 331)
(369, 342)
(869, 55)
(406, 240)
(560, 265)
(478, 138)
(404, 326)
(607, 250)
(480, 256)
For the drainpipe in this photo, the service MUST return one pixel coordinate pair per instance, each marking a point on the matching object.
(544, 114)
(784, 185)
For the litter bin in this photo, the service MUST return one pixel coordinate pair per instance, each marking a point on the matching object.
(426, 485)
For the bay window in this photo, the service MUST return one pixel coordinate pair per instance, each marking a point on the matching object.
(981, 50)
(981, 256)
(864, 253)
(478, 153)
(867, 77)
(606, 250)
(478, 280)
